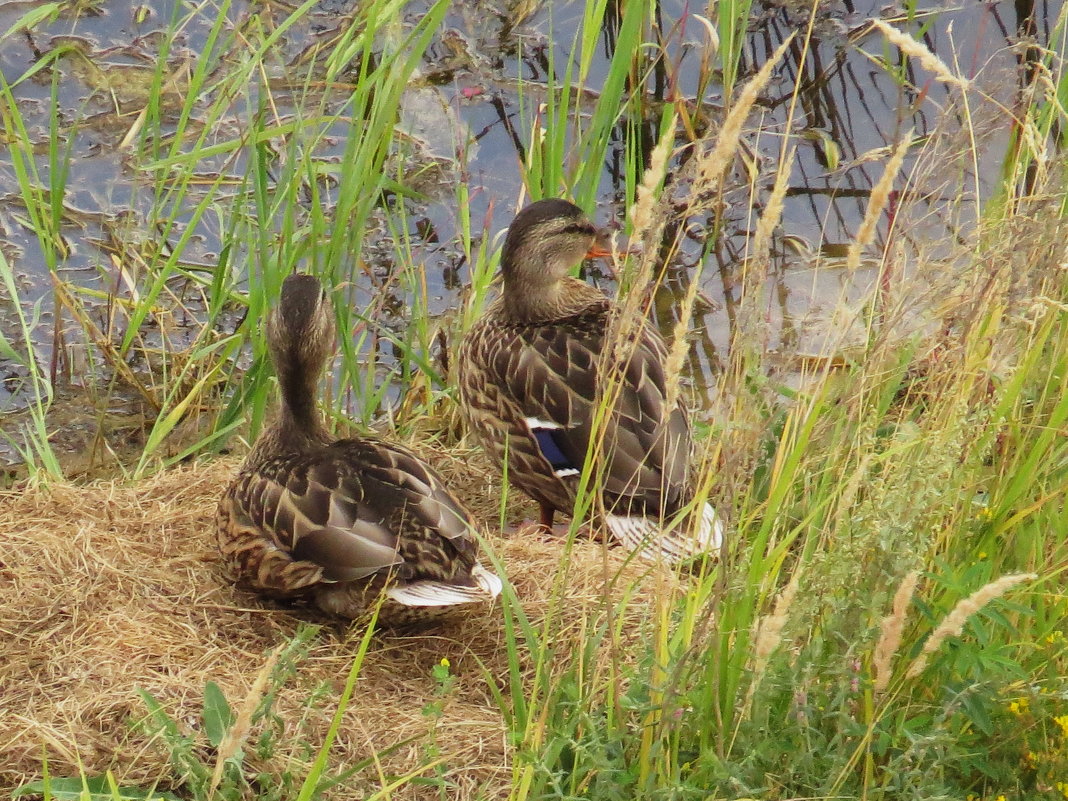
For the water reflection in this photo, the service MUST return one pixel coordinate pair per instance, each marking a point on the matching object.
(483, 79)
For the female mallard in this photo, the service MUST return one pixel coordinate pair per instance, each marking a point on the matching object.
(531, 380)
(339, 521)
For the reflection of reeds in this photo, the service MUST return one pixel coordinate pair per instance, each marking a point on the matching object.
(953, 623)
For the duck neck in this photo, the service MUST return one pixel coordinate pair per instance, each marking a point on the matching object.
(299, 418)
(525, 302)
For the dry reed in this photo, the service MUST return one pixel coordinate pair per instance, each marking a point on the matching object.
(890, 631)
(112, 588)
(953, 623)
(768, 635)
(880, 195)
(928, 60)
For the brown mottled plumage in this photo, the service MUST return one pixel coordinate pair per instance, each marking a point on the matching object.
(530, 384)
(340, 521)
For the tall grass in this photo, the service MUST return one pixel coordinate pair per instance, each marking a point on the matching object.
(792, 666)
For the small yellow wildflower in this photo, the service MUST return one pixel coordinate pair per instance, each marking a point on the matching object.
(1019, 706)
(1055, 637)
(1062, 787)
(445, 662)
(982, 554)
(1062, 721)
(1000, 798)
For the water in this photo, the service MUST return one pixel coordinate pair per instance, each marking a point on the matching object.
(848, 109)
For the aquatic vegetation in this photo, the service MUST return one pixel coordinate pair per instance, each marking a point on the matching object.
(863, 279)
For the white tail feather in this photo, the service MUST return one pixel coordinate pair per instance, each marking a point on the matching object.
(438, 593)
(710, 534)
(489, 582)
(645, 535)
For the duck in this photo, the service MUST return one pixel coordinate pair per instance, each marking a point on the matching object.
(340, 522)
(531, 371)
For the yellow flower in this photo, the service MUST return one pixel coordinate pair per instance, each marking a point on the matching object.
(1019, 706)
(1062, 787)
(1062, 721)
(445, 662)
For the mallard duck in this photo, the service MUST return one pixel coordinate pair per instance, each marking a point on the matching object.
(530, 376)
(341, 520)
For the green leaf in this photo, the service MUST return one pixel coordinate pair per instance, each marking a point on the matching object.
(91, 788)
(164, 722)
(218, 716)
(32, 18)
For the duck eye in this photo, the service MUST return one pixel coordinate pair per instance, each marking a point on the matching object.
(579, 228)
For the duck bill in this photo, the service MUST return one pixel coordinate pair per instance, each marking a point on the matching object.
(601, 248)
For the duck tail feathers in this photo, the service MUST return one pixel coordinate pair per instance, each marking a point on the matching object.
(490, 582)
(486, 587)
(675, 544)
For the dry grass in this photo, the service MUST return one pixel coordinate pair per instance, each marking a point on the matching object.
(110, 587)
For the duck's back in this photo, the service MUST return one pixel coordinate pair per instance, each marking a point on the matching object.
(531, 390)
(342, 512)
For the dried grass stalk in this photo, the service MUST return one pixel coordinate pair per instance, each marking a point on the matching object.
(647, 224)
(880, 194)
(713, 164)
(238, 733)
(772, 215)
(680, 345)
(768, 634)
(953, 623)
(928, 60)
(890, 631)
(710, 167)
(750, 333)
(641, 213)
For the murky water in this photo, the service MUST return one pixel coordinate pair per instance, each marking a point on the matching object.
(848, 110)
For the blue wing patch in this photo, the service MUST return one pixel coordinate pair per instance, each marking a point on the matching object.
(545, 435)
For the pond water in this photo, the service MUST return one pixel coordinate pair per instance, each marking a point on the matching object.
(481, 71)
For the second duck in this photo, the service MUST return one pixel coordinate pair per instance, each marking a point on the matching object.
(532, 376)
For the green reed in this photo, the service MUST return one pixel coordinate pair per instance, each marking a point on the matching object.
(755, 679)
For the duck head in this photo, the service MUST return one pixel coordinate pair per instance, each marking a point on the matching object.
(545, 240)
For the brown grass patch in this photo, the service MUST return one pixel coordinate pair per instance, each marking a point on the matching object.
(112, 586)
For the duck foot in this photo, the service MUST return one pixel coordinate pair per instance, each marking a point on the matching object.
(536, 530)
(559, 531)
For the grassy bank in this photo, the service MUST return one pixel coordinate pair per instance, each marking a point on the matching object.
(887, 618)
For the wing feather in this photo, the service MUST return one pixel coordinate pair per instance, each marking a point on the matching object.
(358, 507)
(551, 372)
